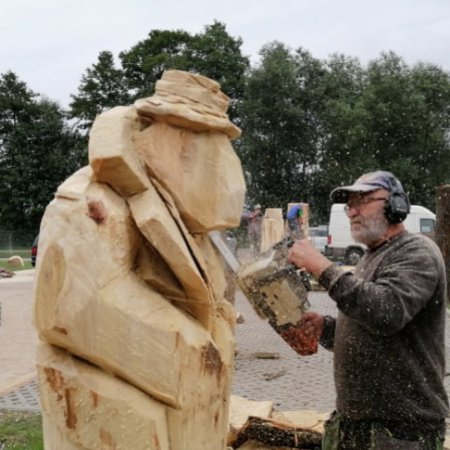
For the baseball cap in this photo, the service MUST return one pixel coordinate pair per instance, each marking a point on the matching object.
(368, 182)
(258, 206)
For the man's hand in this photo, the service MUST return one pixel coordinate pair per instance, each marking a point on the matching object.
(312, 324)
(305, 256)
(304, 336)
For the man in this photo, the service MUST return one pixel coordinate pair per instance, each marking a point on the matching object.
(295, 221)
(388, 338)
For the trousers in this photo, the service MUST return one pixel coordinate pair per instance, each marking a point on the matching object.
(342, 433)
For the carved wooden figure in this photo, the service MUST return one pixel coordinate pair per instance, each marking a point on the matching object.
(137, 338)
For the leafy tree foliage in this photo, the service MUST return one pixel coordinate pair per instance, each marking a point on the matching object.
(217, 55)
(213, 53)
(309, 125)
(102, 87)
(407, 123)
(144, 64)
(398, 121)
(281, 125)
(38, 151)
(312, 125)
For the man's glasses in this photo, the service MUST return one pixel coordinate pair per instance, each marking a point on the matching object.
(360, 202)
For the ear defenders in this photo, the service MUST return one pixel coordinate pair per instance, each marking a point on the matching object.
(397, 206)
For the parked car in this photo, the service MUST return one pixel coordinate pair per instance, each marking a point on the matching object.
(34, 250)
(319, 237)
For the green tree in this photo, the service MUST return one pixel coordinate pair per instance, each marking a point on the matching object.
(407, 123)
(281, 120)
(312, 125)
(38, 151)
(217, 55)
(145, 62)
(102, 87)
(14, 95)
(212, 53)
(341, 147)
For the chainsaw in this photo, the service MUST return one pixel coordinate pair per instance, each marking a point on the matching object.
(277, 290)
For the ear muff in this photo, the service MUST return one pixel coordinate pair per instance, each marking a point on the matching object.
(397, 206)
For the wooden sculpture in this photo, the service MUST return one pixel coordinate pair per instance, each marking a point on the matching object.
(137, 342)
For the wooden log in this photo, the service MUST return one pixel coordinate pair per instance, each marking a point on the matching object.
(306, 418)
(241, 409)
(272, 229)
(273, 433)
(442, 231)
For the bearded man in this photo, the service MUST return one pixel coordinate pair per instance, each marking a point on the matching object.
(388, 337)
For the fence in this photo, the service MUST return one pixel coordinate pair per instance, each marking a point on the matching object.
(13, 240)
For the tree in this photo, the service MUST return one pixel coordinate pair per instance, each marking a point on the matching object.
(281, 122)
(312, 125)
(407, 123)
(212, 53)
(146, 61)
(102, 86)
(341, 147)
(217, 55)
(14, 96)
(38, 151)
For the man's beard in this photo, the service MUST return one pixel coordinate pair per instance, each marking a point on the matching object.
(370, 230)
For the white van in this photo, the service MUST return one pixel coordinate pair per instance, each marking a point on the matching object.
(341, 245)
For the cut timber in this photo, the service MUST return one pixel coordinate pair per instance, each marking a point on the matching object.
(111, 151)
(312, 420)
(272, 230)
(201, 171)
(273, 433)
(240, 411)
(85, 408)
(201, 107)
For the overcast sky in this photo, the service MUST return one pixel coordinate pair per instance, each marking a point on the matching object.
(50, 43)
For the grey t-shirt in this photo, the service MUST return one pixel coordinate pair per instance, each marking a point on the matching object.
(388, 339)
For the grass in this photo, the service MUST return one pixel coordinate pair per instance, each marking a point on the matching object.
(20, 431)
(4, 265)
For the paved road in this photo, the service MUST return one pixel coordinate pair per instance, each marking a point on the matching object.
(292, 382)
(17, 335)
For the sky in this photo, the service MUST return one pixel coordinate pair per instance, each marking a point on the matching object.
(49, 44)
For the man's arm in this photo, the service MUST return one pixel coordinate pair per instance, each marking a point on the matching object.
(404, 283)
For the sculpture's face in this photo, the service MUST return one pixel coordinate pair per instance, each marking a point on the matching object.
(200, 170)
